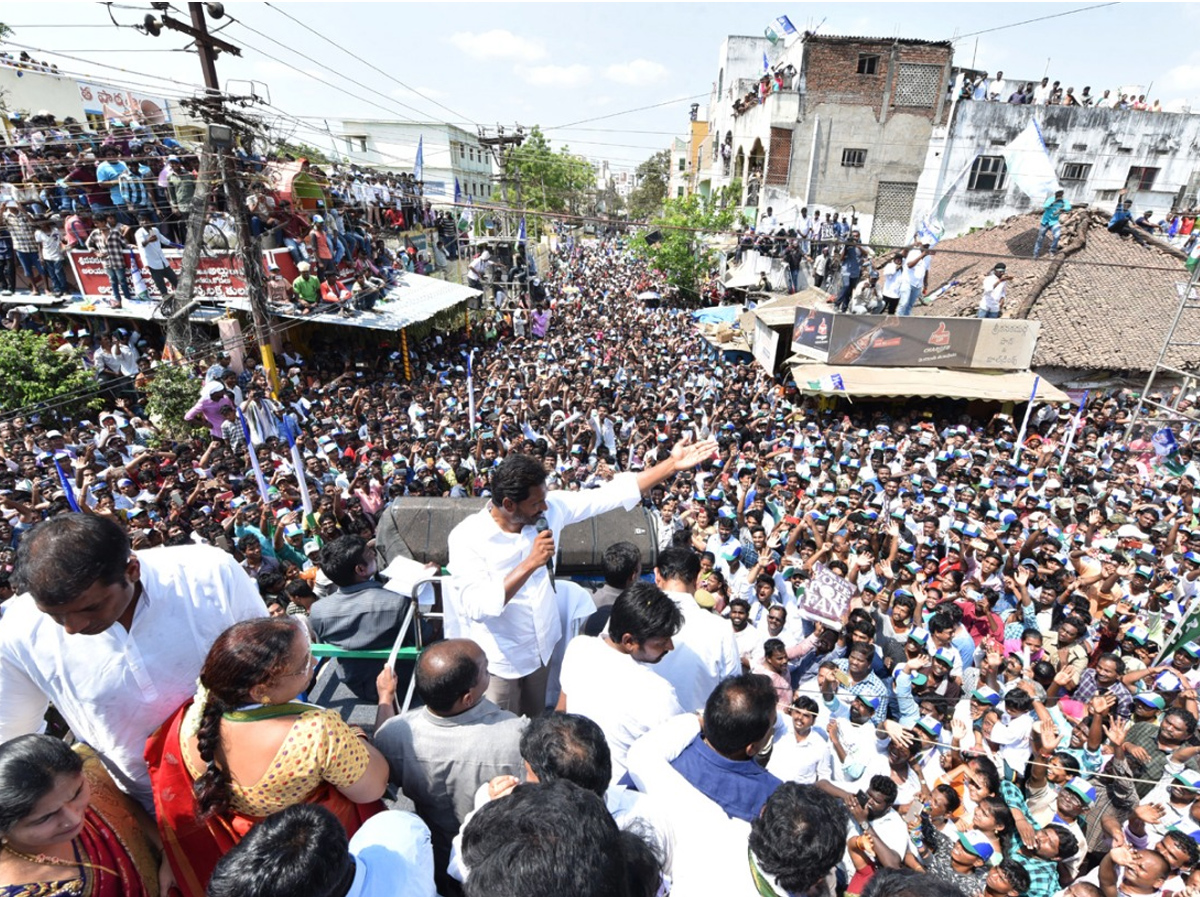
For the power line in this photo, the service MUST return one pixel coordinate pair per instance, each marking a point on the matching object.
(1069, 12)
(331, 71)
(370, 65)
(626, 112)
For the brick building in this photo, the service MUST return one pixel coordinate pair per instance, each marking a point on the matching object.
(848, 133)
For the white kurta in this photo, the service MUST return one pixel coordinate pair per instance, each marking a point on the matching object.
(116, 688)
(519, 636)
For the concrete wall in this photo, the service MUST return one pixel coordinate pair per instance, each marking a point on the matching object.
(845, 110)
(1111, 141)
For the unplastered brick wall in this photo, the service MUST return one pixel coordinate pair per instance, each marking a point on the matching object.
(832, 75)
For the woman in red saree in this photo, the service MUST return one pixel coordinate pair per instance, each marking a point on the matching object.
(67, 830)
(243, 749)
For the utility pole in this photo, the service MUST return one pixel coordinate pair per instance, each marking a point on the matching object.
(213, 111)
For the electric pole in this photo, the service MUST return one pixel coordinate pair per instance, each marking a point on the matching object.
(212, 110)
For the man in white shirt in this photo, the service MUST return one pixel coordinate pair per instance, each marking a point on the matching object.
(1041, 93)
(893, 278)
(804, 755)
(795, 842)
(995, 286)
(150, 245)
(503, 596)
(115, 641)
(601, 678)
(705, 651)
(916, 266)
(302, 852)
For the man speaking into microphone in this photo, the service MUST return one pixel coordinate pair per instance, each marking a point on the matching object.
(502, 563)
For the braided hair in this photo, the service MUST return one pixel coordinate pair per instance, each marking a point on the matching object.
(245, 655)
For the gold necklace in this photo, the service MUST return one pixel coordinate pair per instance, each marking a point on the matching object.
(43, 860)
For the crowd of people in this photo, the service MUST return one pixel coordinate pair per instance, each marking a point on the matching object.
(998, 89)
(1004, 704)
(127, 193)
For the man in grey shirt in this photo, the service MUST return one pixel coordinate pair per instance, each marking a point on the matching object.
(441, 753)
(360, 615)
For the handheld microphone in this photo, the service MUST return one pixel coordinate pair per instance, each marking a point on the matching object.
(542, 525)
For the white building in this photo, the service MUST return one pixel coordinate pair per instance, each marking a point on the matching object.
(846, 133)
(680, 175)
(1095, 153)
(31, 89)
(448, 153)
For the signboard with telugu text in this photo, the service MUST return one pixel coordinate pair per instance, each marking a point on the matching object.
(123, 105)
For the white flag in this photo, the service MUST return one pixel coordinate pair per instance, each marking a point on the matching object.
(1029, 164)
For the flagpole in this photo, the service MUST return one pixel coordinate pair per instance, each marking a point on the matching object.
(1074, 428)
(1025, 421)
(66, 486)
(471, 390)
(1183, 620)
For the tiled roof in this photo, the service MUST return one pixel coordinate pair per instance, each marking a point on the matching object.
(1104, 302)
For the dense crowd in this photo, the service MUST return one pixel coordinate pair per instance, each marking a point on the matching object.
(1005, 706)
(1048, 93)
(127, 193)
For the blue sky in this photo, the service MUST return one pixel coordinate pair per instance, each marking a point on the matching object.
(554, 64)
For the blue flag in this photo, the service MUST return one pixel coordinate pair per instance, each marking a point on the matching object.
(457, 192)
(781, 29)
(419, 165)
(766, 65)
(521, 232)
(1164, 442)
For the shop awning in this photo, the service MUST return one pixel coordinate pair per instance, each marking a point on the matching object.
(881, 381)
(416, 298)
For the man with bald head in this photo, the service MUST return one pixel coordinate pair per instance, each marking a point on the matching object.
(442, 752)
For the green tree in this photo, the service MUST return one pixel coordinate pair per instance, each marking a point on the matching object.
(299, 150)
(550, 182)
(683, 255)
(34, 373)
(173, 390)
(651, 179)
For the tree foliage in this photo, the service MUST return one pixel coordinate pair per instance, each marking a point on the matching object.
(651, 177)
(32, 372)
(301, 150)
(550, 182)
(173, 390)
(685, 255)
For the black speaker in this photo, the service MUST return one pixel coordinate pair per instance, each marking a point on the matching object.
(653, 237)
(419, 528)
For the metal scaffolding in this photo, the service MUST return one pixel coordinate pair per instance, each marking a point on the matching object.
(1165, 411)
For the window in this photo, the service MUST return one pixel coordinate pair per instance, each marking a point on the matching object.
(987, 174)
(918, 85)
(679, 191)
(1079, 147)
(1076, 171)
(1141, 178)
(854, 159)
(682, 164)
(868, 63)
(362, 145)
